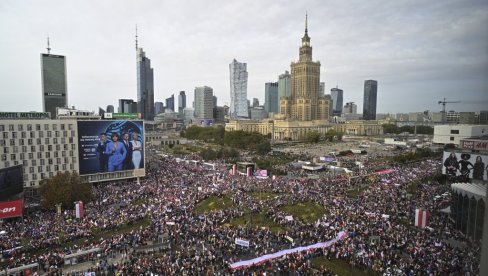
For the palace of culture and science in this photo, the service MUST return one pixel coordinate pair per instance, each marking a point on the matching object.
(305, 110)
(305, 104)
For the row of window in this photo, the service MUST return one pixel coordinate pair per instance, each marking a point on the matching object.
(42, 148)
(32, 134)
(21, 142)
(13, 157)
(29, 127)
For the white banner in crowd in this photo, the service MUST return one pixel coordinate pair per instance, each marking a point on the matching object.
(242, 242)
(265, 258)
(79, 211)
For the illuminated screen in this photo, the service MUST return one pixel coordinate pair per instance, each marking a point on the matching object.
(110, 146)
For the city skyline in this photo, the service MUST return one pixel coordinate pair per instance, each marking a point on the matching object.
(419, 53)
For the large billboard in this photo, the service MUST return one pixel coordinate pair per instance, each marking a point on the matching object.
(110, 146)
(10, 209)
(11, 182)
(464, 165)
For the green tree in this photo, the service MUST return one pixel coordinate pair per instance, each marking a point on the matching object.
(390, 128)
(313, 137)
(64, 188)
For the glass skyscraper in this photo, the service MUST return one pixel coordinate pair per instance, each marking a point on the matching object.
(370, 99)
(181, 101)
(238, 90)
(271, 97)
(145, 86)
(337, 100)
(54, 84)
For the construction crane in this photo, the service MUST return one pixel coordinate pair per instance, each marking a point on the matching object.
(443, 102)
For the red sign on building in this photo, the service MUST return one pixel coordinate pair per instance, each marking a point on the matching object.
(474, 144)
(10, 209)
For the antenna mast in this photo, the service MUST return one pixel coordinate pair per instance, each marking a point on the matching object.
(48, 47)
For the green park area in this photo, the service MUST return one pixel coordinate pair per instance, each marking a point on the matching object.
(307, 212)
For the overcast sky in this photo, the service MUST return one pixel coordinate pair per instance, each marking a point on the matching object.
(418, 51)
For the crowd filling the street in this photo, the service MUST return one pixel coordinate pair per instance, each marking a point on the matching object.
(378, 223)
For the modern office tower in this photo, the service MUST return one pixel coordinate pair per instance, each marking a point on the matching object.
(350, 108)
(337, 100)
(271, 97)
(204, 103)
(370, 99)
(258, 113)
(145, 85)
(255, 102)
(219, 114)
(305, 104)
(238, 90)
(170, 102)
(188, 114)
(322, 89)
(158, 108)
(110, 109)
(214, 101)
(101, 112)
(284, 85)
(181, 101)
(54, 83)
(127, 106)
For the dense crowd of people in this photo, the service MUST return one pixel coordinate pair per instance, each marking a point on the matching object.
(378, 223)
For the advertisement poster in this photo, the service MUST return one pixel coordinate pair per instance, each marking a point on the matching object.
(110, 146)
(465, 165)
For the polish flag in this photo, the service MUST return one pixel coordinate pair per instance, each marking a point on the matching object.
(80, 212)
(234, 169)
(421, 217)
(248, 171)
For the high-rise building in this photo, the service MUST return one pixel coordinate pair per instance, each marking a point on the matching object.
(284, 85)
(305, 104)
(337, 100)
(145, 85)
(54, 83)
(350, 108)
(158, 108)
(181, 101)
(127, 106)
(322, 89)
(214, 101)
(370, 99)
(238, 89)
(483, 118)
(110, 109)
(271, 97)
(204, 103)
(255, 102)
(170, 102)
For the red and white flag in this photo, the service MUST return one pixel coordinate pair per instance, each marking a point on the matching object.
(248, 171)
(79, 210)
(421, 217)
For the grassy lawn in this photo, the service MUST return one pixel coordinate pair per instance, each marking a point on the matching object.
(213, 203)
(262, 195)
(259, 220)
(308, 212)
(340, 267)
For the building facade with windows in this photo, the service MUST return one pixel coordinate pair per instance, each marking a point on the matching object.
(238, 90)
(54, 83)
(305, 102)
(44, 147)
(453, 134)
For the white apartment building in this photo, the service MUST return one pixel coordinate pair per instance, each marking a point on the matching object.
(238, 90)
(43, 147)
(453, 134)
